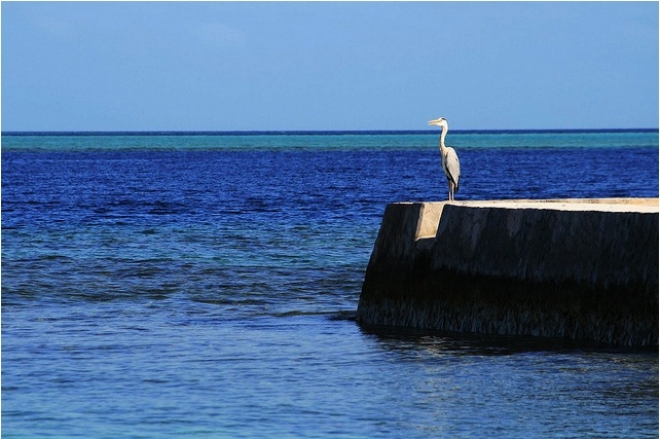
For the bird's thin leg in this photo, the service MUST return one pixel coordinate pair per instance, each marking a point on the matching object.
(449, 194)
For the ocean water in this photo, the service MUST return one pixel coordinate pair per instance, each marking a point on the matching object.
(201, 285)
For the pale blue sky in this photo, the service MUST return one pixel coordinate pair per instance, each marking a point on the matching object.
(328, 66)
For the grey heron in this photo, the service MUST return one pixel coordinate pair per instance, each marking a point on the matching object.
(450, 164)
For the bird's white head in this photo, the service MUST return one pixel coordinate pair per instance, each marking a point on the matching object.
(441, 122)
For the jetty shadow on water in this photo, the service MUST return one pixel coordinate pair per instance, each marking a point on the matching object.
(435, 342)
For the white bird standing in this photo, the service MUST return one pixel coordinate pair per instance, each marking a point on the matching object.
(450, 163)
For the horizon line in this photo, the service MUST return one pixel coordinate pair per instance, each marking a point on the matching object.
(311, 132)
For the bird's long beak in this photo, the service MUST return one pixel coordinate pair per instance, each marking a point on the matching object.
(435, 121)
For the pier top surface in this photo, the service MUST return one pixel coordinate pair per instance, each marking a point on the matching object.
(641, 205)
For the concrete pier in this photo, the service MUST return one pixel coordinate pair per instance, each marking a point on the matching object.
(582, 269)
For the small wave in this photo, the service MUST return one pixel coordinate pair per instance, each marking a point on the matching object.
(349, 315)
(330, 315)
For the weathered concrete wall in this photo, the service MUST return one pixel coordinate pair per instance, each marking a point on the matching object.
(580, 269)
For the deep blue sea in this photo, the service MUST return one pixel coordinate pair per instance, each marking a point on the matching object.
(201, 285)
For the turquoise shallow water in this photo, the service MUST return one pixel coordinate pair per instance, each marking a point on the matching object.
(348, 140)
(203, 286)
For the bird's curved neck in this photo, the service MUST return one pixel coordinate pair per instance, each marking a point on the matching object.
(445, 128)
